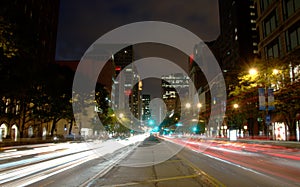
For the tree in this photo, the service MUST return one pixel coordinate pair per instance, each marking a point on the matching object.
(8, 47)
(274, 74)
(55, 99)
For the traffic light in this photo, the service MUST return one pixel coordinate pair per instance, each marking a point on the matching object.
(151, 122)
(178, 124)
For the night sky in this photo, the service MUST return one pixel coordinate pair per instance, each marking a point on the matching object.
(81, 22)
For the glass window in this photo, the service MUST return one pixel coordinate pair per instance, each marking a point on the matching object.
(292, 37)
(270, 23)
(297, 4)
(273, 49)
(290, 7)
(264, 4)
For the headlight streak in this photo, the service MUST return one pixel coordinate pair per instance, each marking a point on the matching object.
(44, 165)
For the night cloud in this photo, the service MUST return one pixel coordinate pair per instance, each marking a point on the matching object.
(82, 22)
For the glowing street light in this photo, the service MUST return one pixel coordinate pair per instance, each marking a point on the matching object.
(188, 105)
(235, 106)
(253, 71)
(275, 71)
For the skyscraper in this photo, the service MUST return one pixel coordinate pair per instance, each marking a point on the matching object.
(237, 44)
(35, 27)
(146, 114)
(126, 83)
(174, 88)
(279, 28)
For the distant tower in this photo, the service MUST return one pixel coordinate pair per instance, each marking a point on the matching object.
(126, 84)
(173, 86)
(146, 114)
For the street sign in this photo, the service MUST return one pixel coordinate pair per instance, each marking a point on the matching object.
(268, 119)
(271, 105)
(261, 99)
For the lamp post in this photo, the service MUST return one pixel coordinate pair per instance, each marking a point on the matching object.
(245, 130)
(266, 96)
(235, 107)
(225, 130)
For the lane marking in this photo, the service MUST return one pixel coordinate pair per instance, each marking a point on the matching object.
(155, 180)
(267, 175)
(210, 178)
(109, 166)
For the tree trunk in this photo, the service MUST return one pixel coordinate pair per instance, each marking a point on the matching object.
(23, 119)
(71, 126)
(54, 122)
(292, 130)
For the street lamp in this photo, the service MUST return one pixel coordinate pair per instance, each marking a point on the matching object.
(235, 106)
(199, 105)
(275, 71)
(266, 96)
(225, 129)
(245, 129)
(253, 71)
(188, 105)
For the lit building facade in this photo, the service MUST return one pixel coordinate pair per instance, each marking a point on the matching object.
(146, 114)
(173, 86)
(278, 23)
(126, 83)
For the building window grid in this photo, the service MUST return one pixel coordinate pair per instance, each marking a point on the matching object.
(264, 4)
(270, 23)
(292, 37)
(290, 7)
(273, 49)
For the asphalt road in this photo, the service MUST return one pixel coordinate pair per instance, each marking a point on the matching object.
(152, 162)
(192, 167)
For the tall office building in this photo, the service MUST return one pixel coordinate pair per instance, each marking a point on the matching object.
(126, 83)
(174, 88)
(146, 114)
(35, 25)
(278, 23)
(237, 44)
(279, 29)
